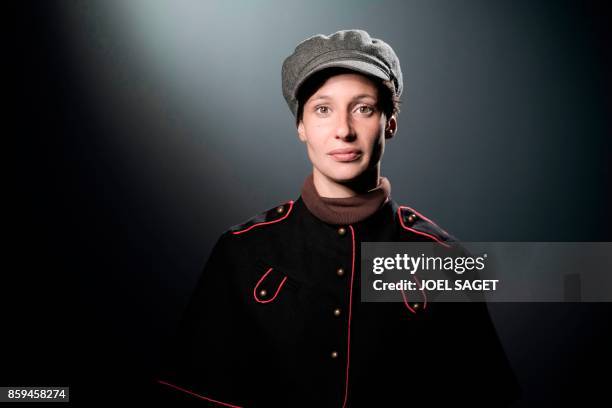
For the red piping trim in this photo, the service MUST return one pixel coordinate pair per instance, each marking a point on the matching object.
(348, 345)
(425, 218)
(225, 404)
(277, 289)
(399, 214)
(422, 291)
(266, 222)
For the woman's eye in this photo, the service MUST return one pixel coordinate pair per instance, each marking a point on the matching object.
(318, 109)
(368, 109)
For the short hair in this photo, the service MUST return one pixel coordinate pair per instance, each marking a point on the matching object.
(388, 101)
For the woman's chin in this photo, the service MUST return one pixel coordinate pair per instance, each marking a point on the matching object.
(344, 176)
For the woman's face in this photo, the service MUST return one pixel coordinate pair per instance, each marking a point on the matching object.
(343, 128)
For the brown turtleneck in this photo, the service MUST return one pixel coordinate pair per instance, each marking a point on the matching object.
(347, 210)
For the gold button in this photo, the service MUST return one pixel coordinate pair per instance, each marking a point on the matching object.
(340, 272)
(337, 312)
(280, 209)
(416, 306)
(263, 293)
(334, 354)
(412, 218)
(341, 231)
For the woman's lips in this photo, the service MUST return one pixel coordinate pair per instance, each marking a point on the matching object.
(345, 155)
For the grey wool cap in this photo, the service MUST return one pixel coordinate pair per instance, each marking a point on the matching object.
(352, 49)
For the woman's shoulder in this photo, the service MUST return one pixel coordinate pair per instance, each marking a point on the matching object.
(415, 223)
(264, 219)
(260, 232)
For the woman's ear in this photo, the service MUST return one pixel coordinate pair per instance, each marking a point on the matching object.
(391, 128)
(301, 132)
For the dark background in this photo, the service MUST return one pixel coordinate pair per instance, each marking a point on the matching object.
(139, 131)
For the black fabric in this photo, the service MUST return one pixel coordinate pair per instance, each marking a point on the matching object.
(234, 349)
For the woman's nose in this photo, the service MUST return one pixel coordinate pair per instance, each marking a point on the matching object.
(344, 129)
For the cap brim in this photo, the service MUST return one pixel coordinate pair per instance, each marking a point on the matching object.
(355, 65)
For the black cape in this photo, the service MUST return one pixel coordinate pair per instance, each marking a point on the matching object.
(276, 321)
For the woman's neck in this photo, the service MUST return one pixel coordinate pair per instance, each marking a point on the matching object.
(327, 187)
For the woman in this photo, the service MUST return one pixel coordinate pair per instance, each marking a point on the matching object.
(276, 320)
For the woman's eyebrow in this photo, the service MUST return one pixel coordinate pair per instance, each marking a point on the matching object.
(360, 96)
